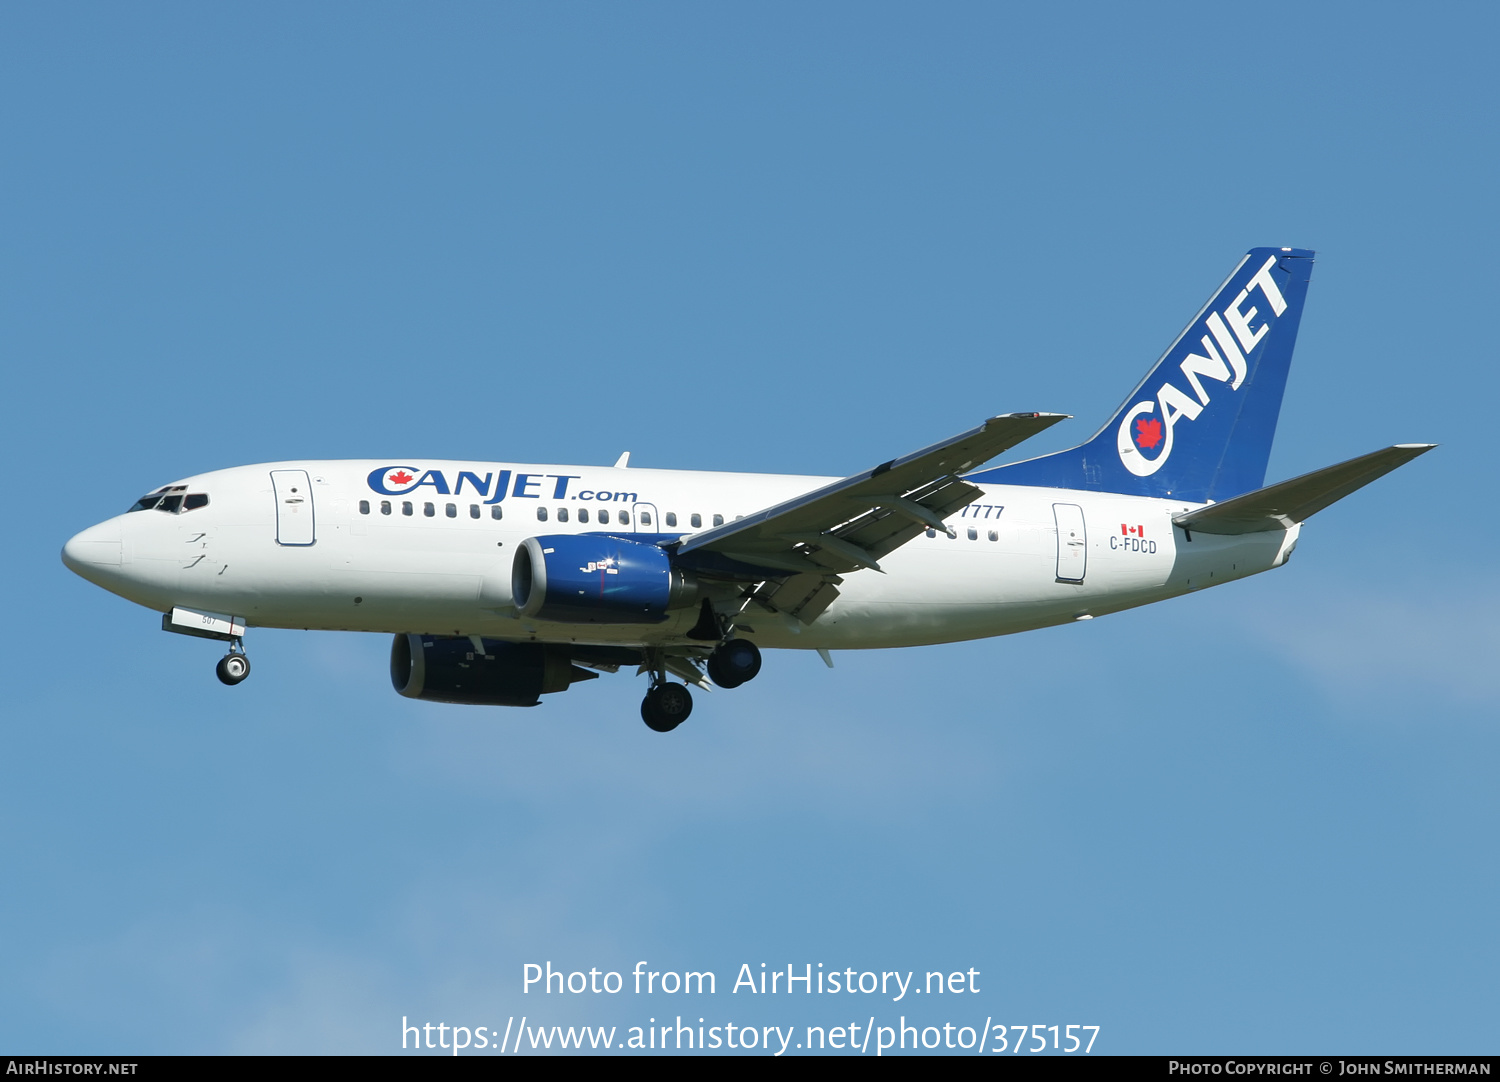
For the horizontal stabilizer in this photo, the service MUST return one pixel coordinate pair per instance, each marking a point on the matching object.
(1277, 507)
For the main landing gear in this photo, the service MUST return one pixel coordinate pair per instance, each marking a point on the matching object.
(233, 666)
(666, 706)
(734, 663)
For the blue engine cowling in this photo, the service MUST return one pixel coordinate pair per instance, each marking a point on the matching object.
(594, 579)
(450, 670)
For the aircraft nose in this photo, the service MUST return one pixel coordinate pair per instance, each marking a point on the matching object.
(94, 549)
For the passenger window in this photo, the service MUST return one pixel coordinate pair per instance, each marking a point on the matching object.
(622, 517)
(473, 510)
(645, 518)
(406, 507)
(696, 520)
(671, 518)
(496, 513)
(541, 514)
(994, 536)
(194, 501)
(385, 507)
(931, 533)
(169, 504)
(583, 514)
(451, 510)
(562, 514)
(973, 534)
(428, 510)
(364, 507)
(718, 520)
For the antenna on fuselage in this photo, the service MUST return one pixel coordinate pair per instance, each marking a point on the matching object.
(623, 462)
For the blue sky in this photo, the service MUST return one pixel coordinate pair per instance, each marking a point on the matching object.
(771, 237)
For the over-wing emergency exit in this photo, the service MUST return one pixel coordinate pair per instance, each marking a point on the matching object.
(505, 581)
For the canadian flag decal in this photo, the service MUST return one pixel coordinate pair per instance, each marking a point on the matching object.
(1132, 531)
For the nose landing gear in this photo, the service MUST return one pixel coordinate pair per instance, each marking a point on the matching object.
(233, 666)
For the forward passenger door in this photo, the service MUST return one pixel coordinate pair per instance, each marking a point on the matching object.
(294, 507)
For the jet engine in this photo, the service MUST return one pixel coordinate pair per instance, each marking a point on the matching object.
(590, 579)
(452, 670)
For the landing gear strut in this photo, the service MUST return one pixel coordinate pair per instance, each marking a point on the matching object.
(734, 663)
(233, 666)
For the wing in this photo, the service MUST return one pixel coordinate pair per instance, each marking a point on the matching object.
(801, 546)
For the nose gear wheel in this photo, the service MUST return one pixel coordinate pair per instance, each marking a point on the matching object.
(232, 668)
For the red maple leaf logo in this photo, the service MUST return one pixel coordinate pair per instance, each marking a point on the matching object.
(400, 477)
(1147, 432)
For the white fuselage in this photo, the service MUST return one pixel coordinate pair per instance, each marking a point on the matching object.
(427, 560)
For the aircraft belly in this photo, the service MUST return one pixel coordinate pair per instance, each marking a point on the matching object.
(978, 594)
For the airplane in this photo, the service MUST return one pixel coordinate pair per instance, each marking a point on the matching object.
(502, 582)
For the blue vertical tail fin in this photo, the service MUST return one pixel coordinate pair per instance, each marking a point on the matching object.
(1199, 426)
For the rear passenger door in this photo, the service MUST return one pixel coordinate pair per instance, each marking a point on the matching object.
(1072, 542)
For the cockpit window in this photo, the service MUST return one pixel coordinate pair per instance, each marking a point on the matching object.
(168, 500)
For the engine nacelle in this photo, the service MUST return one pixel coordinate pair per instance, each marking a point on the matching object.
(590, 579)
(445, 670)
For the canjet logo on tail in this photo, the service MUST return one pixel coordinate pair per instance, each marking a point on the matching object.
(1146, 431)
